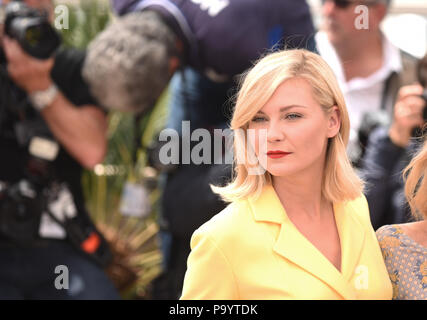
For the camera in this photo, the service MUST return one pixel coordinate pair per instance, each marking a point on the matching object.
(32, 30)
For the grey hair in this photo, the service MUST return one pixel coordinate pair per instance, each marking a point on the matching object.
(127, 65)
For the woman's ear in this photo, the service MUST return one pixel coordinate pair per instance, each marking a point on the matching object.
(334, 122)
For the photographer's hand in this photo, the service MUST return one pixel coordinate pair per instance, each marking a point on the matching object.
(82, 130)
(27, 72)
(407, 114)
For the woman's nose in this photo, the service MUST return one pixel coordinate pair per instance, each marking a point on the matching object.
(275, 132)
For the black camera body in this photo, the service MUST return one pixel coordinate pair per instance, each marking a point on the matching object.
(32, 30)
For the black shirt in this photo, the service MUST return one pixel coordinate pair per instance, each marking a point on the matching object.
(15, 110)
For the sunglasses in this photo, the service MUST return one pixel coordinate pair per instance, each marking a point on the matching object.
(344, 4)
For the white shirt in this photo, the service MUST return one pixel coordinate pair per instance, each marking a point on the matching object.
(361, 94)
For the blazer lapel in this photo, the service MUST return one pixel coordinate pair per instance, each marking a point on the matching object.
(292, 245)
(352, 235)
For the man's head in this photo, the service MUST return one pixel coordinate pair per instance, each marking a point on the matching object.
(130, 63)
(340, 17)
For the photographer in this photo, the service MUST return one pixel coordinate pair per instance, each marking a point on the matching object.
(389, 150)
(50, 128)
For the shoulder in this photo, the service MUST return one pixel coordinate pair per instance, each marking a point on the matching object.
(227, 224)
(408, 59)
(67, 74)
(409, 67)
(380, 135)
(214, 259)
(233, 229)
(360, 209)
(68, 61)
(389, 236)
(388, 230)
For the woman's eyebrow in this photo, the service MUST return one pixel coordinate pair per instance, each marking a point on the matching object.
(291, 106)
(286, 108)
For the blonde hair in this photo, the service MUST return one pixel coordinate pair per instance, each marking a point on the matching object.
(339, 182)
(416, 183)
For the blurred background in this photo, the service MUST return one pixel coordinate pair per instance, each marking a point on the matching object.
(405, 17)
(134, 237)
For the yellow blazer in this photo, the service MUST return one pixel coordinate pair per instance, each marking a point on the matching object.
(251, 250)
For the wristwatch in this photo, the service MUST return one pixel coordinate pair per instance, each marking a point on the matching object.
(41, 99)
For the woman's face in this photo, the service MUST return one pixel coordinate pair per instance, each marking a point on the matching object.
(290, 132)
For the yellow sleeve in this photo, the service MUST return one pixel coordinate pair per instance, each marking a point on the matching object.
(209, 273)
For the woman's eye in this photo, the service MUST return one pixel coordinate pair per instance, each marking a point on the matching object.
(292, 116)
(258, 119)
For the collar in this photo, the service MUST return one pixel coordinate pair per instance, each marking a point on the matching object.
(267, 207)
(293, 246)
(392, 62)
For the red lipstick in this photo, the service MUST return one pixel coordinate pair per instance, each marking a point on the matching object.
(277, 154)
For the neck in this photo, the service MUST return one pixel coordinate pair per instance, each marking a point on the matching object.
(361, 57)
(302, 194)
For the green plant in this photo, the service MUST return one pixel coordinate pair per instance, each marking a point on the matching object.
(86, 19)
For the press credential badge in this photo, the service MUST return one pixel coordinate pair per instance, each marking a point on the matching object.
(135, 200)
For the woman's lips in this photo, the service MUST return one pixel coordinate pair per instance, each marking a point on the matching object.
(277, 154)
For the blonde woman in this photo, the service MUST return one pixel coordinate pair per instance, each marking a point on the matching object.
(300, 228)
(404, 246)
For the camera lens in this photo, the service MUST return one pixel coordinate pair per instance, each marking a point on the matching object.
(32, 30)
(33, 36)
